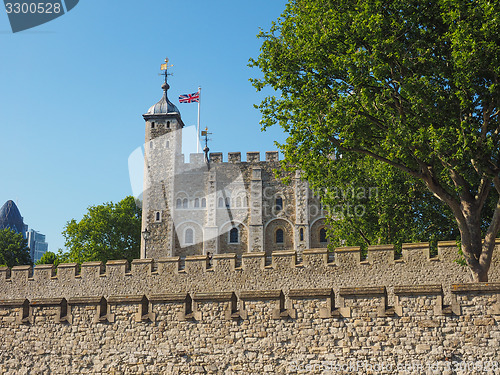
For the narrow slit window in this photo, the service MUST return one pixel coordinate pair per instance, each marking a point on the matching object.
(279, 204)
(301, 234)
(189, 236)
(233, 235)
(322, 235)
(279, 236)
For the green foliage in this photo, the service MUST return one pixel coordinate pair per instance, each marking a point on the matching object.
(52, 258)
(367, 90)
(372, 203)
(14, 250)
(106, 232)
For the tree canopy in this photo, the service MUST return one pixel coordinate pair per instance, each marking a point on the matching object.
(106, 232)
(14, 250)
(411, 84)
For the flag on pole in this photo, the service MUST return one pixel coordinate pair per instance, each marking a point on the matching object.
(190, 98)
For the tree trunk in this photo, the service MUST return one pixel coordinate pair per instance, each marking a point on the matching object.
(477, 252)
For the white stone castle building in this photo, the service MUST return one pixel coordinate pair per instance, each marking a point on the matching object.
(217, 206)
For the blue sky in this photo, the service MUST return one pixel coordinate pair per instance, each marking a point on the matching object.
(73, 91)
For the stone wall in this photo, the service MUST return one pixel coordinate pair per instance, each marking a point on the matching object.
(231, 316)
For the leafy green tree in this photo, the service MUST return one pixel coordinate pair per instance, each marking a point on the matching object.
(412, 84)
(52, 258)
(108, 231)
(14, 250)
(373, 203)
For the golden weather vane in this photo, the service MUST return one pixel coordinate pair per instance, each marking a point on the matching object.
(165, 67)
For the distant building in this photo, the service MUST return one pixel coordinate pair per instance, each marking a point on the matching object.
(37, 244)
(10, 218)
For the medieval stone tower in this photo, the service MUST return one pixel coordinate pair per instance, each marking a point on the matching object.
(208, 205)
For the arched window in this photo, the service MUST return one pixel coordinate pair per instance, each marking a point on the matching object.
(279, 236)
(238, 202)
(196, 202)
(203, 203)
(228, 202)
(322, 235)
(233, 235)
(167, 144)
(301, 234)
(221, 202)
(189, 236)
(185, 203)
(158, 216)
(168, 124)
(178, 203)
(279, 204)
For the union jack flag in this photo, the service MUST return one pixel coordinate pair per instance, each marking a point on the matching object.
(190, 98)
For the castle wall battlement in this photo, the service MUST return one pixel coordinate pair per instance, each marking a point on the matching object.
(253, 271)
(232, 157)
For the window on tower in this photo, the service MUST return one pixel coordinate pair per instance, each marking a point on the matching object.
(322, 235)
(189, 236)
(279, 236)
(279, 204)
(233, 235)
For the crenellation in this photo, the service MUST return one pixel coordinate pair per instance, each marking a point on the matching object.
(67, 271)
(196, 159)
(216, 157)
(272, 156)
(282, 265)
(5, 273)
(315, 257)
(347, 256)
(234, 157)
(253, 261)
(21, 274)
(253, 157)
(92, 270)
(416, 252)
(44, 272)
(117, 268)
(168, 266)
(285, 259)
(380, 254)
(142, 267)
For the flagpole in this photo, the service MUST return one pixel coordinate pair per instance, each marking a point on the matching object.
(198, 128)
